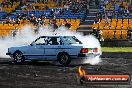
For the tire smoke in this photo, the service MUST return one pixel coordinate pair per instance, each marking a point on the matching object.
(27, 36)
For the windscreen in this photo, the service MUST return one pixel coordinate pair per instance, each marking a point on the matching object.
(72, 40)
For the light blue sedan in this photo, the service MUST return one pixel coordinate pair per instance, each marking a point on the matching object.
(60, 48)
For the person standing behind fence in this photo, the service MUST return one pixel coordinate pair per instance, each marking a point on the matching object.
(97, 19)
(55, 25)
(14, 32)
(97, 3)
(107, 19)
(99, 35)
(0, 8)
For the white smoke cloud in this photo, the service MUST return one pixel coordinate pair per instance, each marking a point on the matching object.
(27, 36)
(92, 60)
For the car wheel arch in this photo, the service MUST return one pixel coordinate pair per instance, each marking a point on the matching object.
(17, 51)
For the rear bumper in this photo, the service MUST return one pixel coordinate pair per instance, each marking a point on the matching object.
(82, 55)
(87, 55)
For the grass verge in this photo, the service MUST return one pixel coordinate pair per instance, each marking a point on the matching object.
(116, 49)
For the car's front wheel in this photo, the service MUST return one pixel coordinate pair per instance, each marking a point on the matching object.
(64, 59)
(18, 57)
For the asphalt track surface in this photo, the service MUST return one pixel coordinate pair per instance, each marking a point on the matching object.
(47, 75)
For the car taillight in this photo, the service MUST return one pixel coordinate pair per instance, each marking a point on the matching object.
(84, 50)
(95, 50)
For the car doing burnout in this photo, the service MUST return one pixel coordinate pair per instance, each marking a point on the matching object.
(60, 48)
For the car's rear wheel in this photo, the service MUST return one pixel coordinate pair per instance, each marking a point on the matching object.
(64, 59)
(18, 57)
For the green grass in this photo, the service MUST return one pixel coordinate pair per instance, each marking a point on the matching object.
(116, 49)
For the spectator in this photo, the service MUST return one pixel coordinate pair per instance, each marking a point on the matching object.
(100, 15)
(115, 15)
(46, 1)
(23, 20)
(28, 6)
(14, 32)
(106, 2)
(18, 19)
(33, 7)
(0, 7)
(66, 6)
(129, 34)
(130, 8)
(46, 7)
(19, 16)
(94, 32)
(36, 30)
(55, 25)
(116, 7)
(35, 1)
(8, 21)
(121, 9)
(96, 3)
(107, 19)
(109, 14)
(43, 19)
(87, 7)
(61, 11)
(126, 13)
(98, 34)
(103, 9)
(38, 1)
(56, 13)
(52, 13)
(67, 25)
(60, 2)
(4, 2)
(12, 2)
(39, 21)
(13, 21)
(32, 19)
(89, 1)
(24, 16)
(97, 18)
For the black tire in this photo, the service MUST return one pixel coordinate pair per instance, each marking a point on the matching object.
(64, 59)
(18, 57)
(82, 79)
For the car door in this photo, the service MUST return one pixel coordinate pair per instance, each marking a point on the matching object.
(37, 49)
(71, 45)
(53, 47)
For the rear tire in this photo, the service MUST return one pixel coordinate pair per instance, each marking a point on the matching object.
(18, 57)
(82, 79)
(64, 59)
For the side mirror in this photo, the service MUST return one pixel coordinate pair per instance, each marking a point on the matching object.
(33, 43)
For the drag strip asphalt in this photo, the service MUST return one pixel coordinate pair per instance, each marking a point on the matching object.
(49, 75)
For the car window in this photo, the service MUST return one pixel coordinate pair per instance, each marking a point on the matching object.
(54, 41)
(40, 41)
(71, 40)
